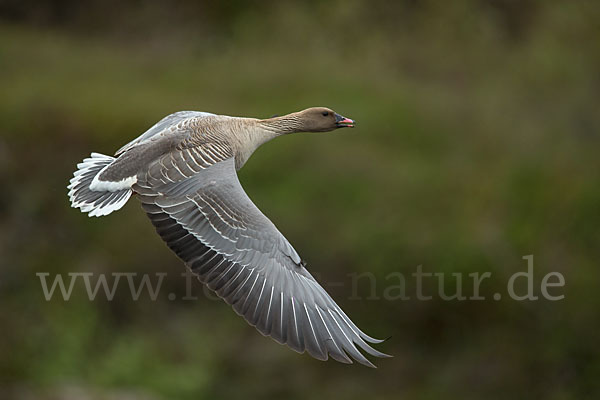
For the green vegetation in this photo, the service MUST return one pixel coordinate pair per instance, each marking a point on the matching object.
(476, 144)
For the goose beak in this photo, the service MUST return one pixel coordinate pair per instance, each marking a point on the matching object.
(343, 122)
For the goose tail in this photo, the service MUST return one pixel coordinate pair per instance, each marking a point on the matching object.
(96, 199)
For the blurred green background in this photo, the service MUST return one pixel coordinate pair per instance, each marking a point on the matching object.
(477, 144)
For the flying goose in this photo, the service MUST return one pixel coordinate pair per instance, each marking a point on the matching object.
(183, 170)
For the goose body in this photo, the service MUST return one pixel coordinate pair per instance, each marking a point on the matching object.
(183, 170)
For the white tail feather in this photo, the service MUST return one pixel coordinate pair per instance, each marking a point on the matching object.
(95, 202)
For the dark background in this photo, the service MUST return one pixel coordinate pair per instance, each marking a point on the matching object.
(476, 144)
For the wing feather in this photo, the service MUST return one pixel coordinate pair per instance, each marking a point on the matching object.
(207, 219)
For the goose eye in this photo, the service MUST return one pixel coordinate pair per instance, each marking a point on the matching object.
(325, 113)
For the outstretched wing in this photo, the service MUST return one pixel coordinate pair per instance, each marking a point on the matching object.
(207, 219)
(169, 121)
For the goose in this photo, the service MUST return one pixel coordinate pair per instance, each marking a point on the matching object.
(183, 170)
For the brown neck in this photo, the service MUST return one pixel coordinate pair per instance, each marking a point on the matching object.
(285, 124)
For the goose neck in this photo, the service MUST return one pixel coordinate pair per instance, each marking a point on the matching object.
(282, 125)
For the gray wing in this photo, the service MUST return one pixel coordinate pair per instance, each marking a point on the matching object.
(162, 125)
(208, 220)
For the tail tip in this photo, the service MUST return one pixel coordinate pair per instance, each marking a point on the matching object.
(96, 203)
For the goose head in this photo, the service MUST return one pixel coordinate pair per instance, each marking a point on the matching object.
(322, 119)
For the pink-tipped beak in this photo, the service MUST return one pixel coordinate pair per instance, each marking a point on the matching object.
(343, 122)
